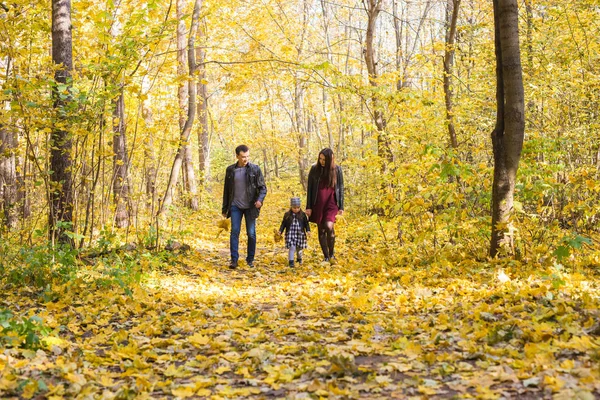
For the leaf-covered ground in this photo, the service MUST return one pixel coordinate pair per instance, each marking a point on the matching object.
(370, 326)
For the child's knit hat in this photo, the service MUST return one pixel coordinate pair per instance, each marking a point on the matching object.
(295, 202)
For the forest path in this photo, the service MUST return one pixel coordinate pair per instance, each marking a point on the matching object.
(358, 329)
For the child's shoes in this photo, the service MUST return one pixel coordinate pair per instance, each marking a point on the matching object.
(291, 263)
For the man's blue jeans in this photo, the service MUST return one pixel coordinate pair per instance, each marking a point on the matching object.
(236, 225)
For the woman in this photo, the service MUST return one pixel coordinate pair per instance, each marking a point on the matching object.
(325, 199)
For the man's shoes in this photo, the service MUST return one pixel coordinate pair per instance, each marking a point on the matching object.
(250, 264)
(233, 264)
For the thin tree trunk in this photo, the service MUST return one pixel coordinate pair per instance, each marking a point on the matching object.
(383, 144)
(150, 159)
(8, 177)
(326, 112)
(203, 132)
(398, 35)
(120, 181)
(185, 133)
(299, 106)
(451, 18)
(60, 218)
(507, 137)
(301, 132)
(189, 178)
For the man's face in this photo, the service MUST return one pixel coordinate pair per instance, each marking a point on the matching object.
(243, 157)
(322, 160)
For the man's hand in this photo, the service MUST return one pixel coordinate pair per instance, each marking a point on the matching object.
(258, 204)
(308, 212)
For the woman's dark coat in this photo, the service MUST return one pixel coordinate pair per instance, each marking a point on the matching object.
(314, 176)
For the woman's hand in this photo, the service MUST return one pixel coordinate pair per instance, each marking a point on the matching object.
(308, 211)
(340, 212)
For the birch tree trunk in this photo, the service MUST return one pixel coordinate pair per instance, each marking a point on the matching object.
(507, 137)
(60, 218)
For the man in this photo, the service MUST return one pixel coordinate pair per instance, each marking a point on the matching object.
(243, 195)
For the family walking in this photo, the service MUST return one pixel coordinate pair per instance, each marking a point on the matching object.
(245, 191)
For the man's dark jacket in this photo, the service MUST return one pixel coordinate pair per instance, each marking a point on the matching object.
(314, 176)
(255, 185)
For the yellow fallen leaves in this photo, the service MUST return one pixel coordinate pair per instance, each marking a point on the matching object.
(198, 339)
(224, 223)
(423, 328)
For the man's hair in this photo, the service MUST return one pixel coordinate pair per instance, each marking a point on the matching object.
(242, 148)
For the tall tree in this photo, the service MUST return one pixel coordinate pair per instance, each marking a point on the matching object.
(299, 93)
(61, 204)
(384, 151)
(191, 110)
(8, 176)
(203, 131)
(189, 177)
(507, 136)
(120, 178)
(451, 19)
(120, 183)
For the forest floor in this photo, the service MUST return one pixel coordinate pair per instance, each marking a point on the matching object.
(362, 328)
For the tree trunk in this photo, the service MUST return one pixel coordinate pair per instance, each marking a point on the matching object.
(507, 137)
(301, 132)
(326, 112)
(203, 132)
(8, 177)
(451, 18)
(120, 184)
(299, 104)
(398, 34)
(149, 158)
(383, 144)
(191, 112)
(189, 177)
(191, 187)
(61, 197)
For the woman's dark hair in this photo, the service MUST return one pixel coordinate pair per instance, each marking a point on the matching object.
(328, 171)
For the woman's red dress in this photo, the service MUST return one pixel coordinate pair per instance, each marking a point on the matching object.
(325, 208)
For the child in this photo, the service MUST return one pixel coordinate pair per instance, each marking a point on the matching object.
(295, 223)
